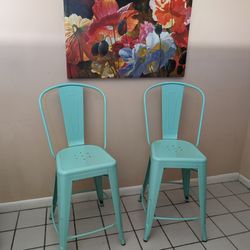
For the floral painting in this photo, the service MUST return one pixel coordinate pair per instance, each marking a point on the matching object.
(126, 39)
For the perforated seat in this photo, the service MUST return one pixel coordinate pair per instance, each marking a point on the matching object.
(176, 152)
(83, 158)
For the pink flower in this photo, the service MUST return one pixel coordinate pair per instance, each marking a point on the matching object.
(145, 28)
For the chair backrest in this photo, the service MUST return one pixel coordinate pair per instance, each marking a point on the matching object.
(72, 106)
(172, 96)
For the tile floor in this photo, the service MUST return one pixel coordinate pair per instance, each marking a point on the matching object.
(228, 223)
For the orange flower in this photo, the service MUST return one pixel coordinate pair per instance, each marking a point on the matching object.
(174, 15)
(171, 13)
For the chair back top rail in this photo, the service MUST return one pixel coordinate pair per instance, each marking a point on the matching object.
(72, 105)
(172, 96)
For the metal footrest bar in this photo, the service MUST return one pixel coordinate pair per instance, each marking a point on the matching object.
(167, 218)
(142, 202)
(90, 190)
(53, 220)
(84, 191)
(173, 182)
(177, 218)
(78, 236)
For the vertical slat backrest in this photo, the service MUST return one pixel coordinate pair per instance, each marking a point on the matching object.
(172, 96)
(71, 98)
(75, 133)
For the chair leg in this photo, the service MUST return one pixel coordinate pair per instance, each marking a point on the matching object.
(99, 189)
(116, 202)
(145, 183)
(202, 201)
(54, 201)
(155, 178)
(64, 203)
(186, 182)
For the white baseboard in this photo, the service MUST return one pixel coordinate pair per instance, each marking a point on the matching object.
(244, 180)
(46, 201)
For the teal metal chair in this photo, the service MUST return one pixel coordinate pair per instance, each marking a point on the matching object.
(78, 160)
(171, 152)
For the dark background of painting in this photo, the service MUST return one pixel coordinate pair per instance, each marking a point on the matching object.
(83, 8)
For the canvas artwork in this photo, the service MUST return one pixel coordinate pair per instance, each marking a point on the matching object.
(126, 39)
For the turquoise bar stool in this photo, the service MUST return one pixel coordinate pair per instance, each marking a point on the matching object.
(171, 152)
(78, 160)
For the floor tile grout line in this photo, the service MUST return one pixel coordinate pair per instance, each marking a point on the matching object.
(32, 248)
(14, 234)
(223, 183)
(73, 213)
(237, 195)
(236, 219)
(232, 214)
(216, 198)
(176, 203)
(162, 206)
(189, 244)
(134, 231)
(183, 217)
(21, 210)
(45, 229)
(165, 190)
(137, 194)
(196, 201)
(124, 231)
(19, 228)
(171, 203)
(237, 212)
(165, 234)
(232, 243)
(228, 213)
(177, 222)
(91, 217)
(224, 235)
(140, 229)
(48, 224)
(212, 216)
(105, 231)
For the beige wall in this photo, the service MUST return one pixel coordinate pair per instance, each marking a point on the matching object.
(33, 58)
(245, 161)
